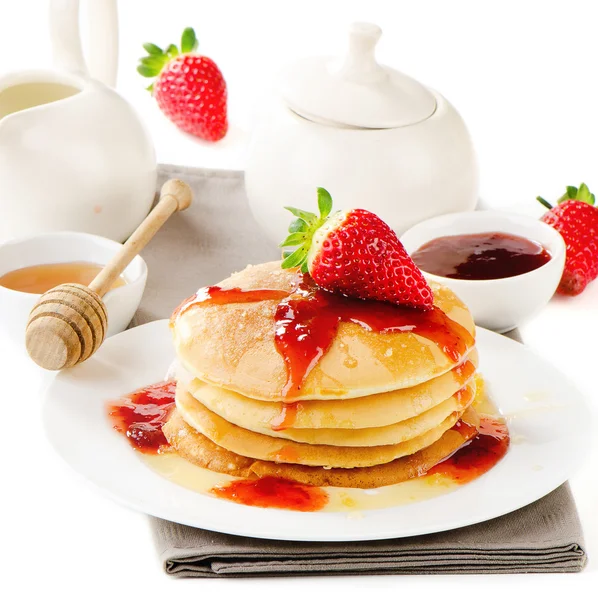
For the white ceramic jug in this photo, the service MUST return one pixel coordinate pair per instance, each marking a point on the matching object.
(74, 155)
(372, 136)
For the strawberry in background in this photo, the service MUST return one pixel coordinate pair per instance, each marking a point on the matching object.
(576, 218)
(188, 87)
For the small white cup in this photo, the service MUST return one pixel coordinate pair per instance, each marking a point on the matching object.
(61, 247)
(497, 304)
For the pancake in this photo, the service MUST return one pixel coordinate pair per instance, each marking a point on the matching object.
(233, 345)
(352, 413)
(370, 436)
(200, 451)
(256, 445)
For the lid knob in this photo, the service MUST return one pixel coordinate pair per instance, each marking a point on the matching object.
(360, 63)
(355, 91)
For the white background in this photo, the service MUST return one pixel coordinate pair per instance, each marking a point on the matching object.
(524, 75)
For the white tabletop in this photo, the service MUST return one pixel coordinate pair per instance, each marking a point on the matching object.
(522, 75)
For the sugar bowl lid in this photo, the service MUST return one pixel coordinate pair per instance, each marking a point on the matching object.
(356, 91)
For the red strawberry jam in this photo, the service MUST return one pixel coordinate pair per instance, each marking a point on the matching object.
(141, 414)
(477, 456)
(489, 255)
(472, 460)
(287, 416)
(274, 492)
(216, 295)
(306, 321)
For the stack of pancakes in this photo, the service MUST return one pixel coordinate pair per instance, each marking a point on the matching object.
(375, 408)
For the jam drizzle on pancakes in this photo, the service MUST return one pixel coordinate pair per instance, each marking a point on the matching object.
(465, 371)
(307, 319)
(464, 396)
(216, 295)
(141, 415)
(286, 418)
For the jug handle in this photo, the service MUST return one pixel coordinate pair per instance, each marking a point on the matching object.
(66, 39)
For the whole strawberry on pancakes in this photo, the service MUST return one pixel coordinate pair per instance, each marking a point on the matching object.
(354, 253)
(576, 218)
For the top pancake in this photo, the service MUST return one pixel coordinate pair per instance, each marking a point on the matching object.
(233, 346)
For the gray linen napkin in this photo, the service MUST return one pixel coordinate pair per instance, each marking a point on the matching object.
(218, 235)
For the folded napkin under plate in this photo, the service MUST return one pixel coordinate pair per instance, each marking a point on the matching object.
(544, 537)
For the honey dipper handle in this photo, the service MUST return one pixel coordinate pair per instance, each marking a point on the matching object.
(175, 195)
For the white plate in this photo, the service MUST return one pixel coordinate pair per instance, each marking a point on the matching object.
(548, 420)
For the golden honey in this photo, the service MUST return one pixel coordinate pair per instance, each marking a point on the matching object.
(38, 279)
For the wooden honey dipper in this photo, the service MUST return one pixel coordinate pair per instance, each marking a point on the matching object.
(69, 322)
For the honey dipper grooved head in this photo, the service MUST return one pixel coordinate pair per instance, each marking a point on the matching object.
(65, 327)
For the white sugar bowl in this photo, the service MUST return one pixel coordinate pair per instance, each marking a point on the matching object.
(372, 136)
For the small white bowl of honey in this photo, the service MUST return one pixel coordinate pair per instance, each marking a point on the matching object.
(33, 265)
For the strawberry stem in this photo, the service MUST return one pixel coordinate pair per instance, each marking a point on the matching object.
(544, 203)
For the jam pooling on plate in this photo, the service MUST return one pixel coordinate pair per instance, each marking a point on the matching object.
(141, 414)
(472, 460)
(274, 492)
(307, 318)
(477, 456)
(489, 255)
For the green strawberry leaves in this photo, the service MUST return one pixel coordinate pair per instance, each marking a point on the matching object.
(298, 225)
(584, 195)
(153, 49)
(152, 64)
(324, 202)
(172, 51)
(147, 71)
(295, 259)
(581, 194)
(302, 229)
(301, 214)
(189, 42)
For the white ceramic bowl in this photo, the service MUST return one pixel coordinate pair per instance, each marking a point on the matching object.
(497, 304)
(121, 303)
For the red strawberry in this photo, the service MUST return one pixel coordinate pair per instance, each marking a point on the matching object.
(189, 88)
(355, 253)
(576, 219)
